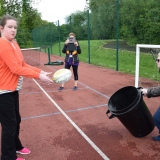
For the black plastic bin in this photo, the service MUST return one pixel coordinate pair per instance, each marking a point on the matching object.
(128, 106)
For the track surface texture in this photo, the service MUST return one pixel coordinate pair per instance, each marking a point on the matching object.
(73, 125)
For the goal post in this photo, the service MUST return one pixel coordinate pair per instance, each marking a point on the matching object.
(138, 47)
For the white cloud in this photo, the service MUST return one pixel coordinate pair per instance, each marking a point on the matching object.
(54, 10)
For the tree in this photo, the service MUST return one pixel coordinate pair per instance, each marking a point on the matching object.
(79, 22)
(11, 7)
(103, 18)
(140, 21)
(28, 18)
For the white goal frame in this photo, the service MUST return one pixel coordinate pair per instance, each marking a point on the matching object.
(138, 46)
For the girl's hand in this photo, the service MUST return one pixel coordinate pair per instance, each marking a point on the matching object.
(66, 42)
(144, 91)
(45, 79)
(46, 73)
(76, 43)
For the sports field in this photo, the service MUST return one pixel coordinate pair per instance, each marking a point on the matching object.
(73, 125)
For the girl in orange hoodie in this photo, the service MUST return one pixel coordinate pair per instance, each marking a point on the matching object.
(12, 70)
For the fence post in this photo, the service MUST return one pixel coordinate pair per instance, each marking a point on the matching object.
(117, 30)
(70, 24)
(59, 40)
(88, 37)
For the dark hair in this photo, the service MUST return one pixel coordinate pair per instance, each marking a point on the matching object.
(4, 19)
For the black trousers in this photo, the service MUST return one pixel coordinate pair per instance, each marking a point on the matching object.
(10, 121)
(75, 70)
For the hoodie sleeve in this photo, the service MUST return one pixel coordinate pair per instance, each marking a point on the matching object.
(153, 92)
(64, 48)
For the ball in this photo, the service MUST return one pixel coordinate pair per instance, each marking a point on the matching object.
(62, 76)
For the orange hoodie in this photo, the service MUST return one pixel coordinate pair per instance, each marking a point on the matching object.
(12, 65)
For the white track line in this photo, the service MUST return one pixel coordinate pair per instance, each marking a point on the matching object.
(74, 125)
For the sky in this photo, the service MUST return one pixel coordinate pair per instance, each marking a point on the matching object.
(54, 10)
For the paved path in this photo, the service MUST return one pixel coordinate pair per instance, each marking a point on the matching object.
(124, 46)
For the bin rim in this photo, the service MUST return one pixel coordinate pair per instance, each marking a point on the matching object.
(116, 112)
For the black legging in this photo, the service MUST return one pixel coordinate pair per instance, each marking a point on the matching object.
(75, 70)
(10, 120)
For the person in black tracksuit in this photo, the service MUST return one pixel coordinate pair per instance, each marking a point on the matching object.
(72, 59)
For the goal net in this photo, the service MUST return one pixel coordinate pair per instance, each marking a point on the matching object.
(138, 48)
(32, 56)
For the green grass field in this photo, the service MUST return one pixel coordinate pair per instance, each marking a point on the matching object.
(107, 58)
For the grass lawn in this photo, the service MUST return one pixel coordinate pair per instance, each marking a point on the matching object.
(124, 62)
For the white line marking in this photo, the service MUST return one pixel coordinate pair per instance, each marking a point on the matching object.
(74, 125)
(67, 111)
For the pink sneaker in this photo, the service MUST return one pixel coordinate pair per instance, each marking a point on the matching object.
(23, 151)
(20, 159)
